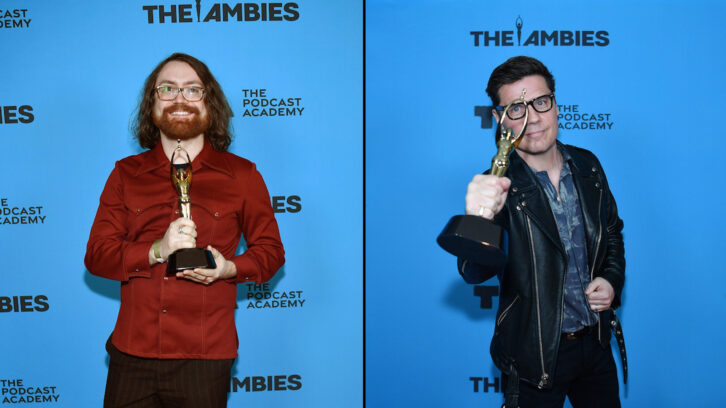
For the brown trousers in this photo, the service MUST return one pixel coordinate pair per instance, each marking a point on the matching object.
(155, 383)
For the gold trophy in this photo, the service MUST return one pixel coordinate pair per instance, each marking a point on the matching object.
(475, 238)
(186, 258)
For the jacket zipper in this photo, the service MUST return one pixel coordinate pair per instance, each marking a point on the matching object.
(594, 259)
(506, 310)
(545, 377)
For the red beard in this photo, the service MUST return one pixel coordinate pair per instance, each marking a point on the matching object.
(181, 128)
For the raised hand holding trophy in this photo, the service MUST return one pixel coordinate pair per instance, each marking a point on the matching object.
(186, 258)
(475, 238)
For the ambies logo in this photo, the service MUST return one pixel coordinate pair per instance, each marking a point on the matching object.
(16, 114)
(292, 382)
(289, 204)
(14, 18)
(484, 384)
(26, 303)
(540, 38)
(485, 113)
(486, 295)
(185, 13)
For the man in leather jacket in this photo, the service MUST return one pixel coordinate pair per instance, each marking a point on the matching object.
(566, 265)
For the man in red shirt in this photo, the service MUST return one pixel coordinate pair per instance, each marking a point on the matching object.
(175, 338)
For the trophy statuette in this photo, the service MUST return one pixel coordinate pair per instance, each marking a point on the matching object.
(476, 238)
(186, 258)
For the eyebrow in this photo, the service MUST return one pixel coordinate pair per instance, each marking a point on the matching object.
(170, 82)
(529, 100)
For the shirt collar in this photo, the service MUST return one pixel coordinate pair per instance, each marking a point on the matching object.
(208, 157)
(566, 159)
(213, 159)
(565, 155)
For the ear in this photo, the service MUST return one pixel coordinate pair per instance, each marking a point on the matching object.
(495, 113)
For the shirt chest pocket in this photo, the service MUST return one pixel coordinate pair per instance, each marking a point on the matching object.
(147, 221)
(217, 224)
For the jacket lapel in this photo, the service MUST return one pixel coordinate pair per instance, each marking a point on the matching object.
(531, 199)
(589, 189)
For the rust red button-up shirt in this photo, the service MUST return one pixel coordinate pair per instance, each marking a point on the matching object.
(166, 317)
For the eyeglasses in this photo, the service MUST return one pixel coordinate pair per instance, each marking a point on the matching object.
(169, 93)
(540, 104)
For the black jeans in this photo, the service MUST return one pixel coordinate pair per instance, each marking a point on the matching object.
(585, 373)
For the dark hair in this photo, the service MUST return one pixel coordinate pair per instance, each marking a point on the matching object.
(218, 134)
(514, 69)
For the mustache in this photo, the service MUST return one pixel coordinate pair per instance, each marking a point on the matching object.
(180, 107)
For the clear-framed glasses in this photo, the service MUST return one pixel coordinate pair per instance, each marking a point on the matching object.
(541, 104)
(169, 93)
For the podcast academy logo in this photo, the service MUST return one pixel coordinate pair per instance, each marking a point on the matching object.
(571, 117)
(14, 18)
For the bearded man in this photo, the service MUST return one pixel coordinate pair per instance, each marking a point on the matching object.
(175, 338)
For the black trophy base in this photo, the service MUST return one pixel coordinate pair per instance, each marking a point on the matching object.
(475, 239)
(190, 258)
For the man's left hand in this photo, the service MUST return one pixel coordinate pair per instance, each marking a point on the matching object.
(225, 270)
(600, 294)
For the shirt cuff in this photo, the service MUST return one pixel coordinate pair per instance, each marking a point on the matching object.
(247, 269)
(136, 260)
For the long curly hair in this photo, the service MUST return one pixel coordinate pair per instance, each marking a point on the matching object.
(219, 133)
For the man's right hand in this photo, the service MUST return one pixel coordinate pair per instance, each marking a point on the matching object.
(182, 233)
(486, 194)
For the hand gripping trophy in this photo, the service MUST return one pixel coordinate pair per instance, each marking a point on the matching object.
(186, 258)
(475, 238)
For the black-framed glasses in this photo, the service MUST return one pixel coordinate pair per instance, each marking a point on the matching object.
(540, 104)
(169, 93)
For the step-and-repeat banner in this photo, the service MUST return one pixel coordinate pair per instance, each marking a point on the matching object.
(72, 74)
(638, 83)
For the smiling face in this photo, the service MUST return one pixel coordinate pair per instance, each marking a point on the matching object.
(179, 118)
(541, 132)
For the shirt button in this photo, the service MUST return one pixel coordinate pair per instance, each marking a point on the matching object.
(137, 269)
(166, 278)
(163, 310)
(138, 211)
(216, 214)
(176, 212)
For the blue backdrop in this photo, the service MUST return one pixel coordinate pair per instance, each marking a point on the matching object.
(645, 75)
(645, 78)
(72, 74)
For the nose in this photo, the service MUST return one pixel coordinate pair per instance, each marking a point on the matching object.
(179, 97)
(534, 116)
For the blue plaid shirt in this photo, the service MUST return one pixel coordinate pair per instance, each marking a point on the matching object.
(568, 215)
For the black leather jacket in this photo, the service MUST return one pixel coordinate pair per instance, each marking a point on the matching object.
(529, 319)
